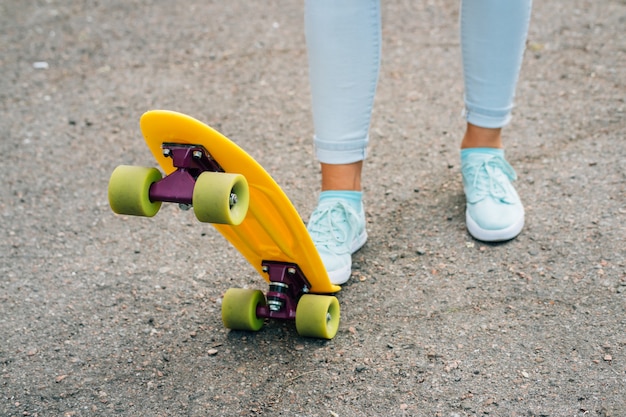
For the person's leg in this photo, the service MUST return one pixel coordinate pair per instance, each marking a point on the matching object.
(343, 40)
(493, 38)
(343, 43)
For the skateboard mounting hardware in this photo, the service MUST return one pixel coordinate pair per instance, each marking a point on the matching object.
(190, 161)
(232, 200)
(275, 303)
(287, 285)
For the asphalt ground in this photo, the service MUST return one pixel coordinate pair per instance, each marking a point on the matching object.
(105, 315)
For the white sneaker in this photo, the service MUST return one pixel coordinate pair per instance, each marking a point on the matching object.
(494, 210)
(338, 231)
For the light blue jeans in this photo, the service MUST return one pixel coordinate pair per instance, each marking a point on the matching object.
(344, 47)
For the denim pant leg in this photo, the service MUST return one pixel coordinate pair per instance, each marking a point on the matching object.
(493, 38)
(343, 43)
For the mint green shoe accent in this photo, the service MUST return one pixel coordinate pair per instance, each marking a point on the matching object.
(354, 198)
(338, 230)
(494, 211)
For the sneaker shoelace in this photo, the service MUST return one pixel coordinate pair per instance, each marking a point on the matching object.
(330, 226)
(491, 176)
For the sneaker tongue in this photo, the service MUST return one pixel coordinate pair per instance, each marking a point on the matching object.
(490, 178)
(496, 181)
(339, 223)
(331, 224)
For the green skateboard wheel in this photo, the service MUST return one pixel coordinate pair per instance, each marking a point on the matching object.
(129, 189)
(239, 309)
(317, 316)
(221, 198)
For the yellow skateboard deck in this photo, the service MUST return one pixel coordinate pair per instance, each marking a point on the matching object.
(272, 229)
(228, 188)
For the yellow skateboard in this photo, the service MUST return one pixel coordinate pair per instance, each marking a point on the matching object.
(228, 188)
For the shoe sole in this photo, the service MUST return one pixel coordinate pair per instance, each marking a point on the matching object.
(341, 276)
(500, 235)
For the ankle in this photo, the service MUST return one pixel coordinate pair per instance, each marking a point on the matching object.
(342, 177)
(482, 137)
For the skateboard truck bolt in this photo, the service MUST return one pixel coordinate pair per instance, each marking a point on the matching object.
(276, 302)
(275, 305)
(232, 201)
(197, 154)
(167, 152)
